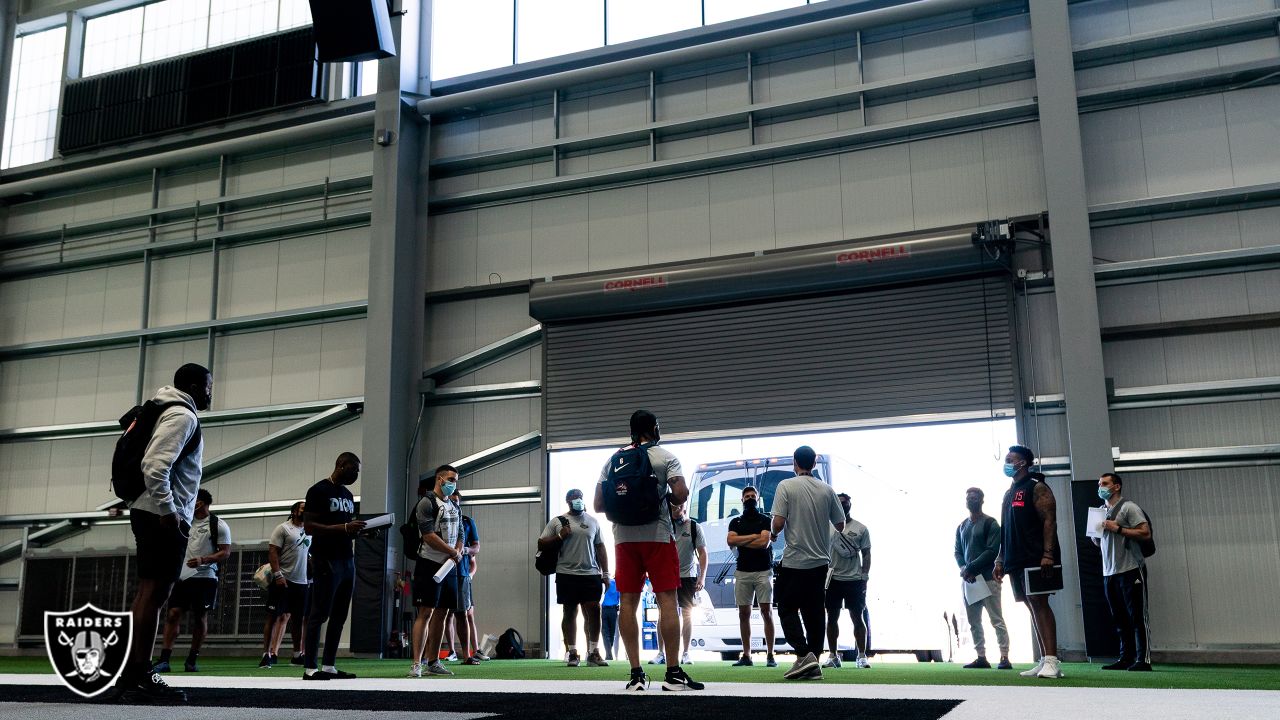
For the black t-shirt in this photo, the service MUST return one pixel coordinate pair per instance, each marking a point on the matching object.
(330, 504)
(753, 559)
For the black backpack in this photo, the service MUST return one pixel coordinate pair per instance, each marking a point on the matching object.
(410, 533)
(1147, 546)
(510, 645)
(126, 462)
(545, 560)
(632, 493)
(213, 534)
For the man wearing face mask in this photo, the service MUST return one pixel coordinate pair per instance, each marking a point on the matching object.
(753, 575)
(1029, 520)
(691, 546)
(329, 518)
(850, 568)
(977, 544)
(582, 573)
(208, 545)
(1124, 574)
(440, 522)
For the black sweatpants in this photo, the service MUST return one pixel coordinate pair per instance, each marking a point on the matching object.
(801, 595)
(330, 600)
(1127, 596)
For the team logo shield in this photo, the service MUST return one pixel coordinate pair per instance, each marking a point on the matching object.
(88, 647)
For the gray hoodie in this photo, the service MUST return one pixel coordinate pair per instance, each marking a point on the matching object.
(171, 481)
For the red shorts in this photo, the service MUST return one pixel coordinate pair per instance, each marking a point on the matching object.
(659, 561)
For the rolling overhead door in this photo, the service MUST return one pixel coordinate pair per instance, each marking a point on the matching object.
(939, 348)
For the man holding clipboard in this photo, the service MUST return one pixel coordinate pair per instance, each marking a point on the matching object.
(1030, 554)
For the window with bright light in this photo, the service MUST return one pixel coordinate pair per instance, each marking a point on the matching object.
(718, 11)
(232, 20)
(294, 13)
(470, 35)
(174, 27)
(112, 42)
(634, 19)
(368, 78)
(33, 98)
(546, 28)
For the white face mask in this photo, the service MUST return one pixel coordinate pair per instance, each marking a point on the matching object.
(578, 505)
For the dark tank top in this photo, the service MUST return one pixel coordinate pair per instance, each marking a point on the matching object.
(1023, 531)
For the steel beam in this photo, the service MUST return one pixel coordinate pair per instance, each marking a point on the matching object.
(1190, 327)
(292, 435)
(483, 393)
(495, 455)
(1162, 268)
(1168, 41)
(482, 357)
(1184, 204)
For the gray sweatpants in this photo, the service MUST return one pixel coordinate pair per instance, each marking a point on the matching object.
(992, 605)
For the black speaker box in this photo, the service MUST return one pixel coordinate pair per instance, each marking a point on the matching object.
(352, 30)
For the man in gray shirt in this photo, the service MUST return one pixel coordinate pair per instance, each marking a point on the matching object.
(1124, 574)
(691, 547)
(582, 573)
(850, 567)
(807, 509)
(977, 545)
(197, 590)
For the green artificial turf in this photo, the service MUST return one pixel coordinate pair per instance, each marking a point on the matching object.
(1191, 677)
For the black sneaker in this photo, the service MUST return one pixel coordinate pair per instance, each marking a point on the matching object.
(744, 661)
(979, 664)
(190, 666)
(274, 659)
(677, 680)
(1004, 664)
(151, 689)
(161, 667)
(1120, 664)
(1140, 667)
(770, 662)
(340, 675)
(639, 682)
(317, 675)
(265, 662)
(297, 660)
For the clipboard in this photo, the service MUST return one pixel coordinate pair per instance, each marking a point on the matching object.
(380, 521)
(1036, 583)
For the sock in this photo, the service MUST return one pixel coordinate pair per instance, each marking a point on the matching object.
(592, 646)
(310, 672)
(165, 654)
(637, 672)
(331, 669)
(572, 649)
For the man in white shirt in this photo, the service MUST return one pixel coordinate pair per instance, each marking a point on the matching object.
(197, 588)
(850, 567)
(287, 594)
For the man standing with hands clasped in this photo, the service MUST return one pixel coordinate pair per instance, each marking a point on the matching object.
(977, 544)
(1124, 574)
(582, 573)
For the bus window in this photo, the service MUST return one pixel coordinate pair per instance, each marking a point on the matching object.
(718, 493)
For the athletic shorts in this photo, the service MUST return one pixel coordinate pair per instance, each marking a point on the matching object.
(751, 585)
(288, 600)
(578, 589)
(687, 593)
(196, 594)
(464, 592)
(800, 588)
(161, 551)
(431, 594)
(1018, 582)
(851, 594)
(659, 561)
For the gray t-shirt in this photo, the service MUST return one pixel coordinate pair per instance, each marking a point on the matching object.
(446, 521)
(578, 551)
(847, 554)
(292, 543)
(665, 467)
(811, 508)
(687, 546)
(1121, 554)
(199, 545)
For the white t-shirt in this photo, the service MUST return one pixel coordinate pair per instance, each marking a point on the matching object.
(292, 543)
(665, 466)
(199, 545)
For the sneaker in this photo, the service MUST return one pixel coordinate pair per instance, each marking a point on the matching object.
(659, 660)
(151, 689)
(1140, 667)
(317, 675)
(436, 668)
(1052, 669)
(296, 660)
(980, 664)
(1033, 671)
(814, 673)
(1004, 664)
(684, 659)
(453, 657)
(771, 662)
(639, 682)
(594, 659)
(415, 671)
(161, 667)
(266, 661)
(471, 661)
(1121, 664)
(336, 674)
(481, 656)
(801, 666)
(744, 661)
(574, 660)
(190, 666)
(862, 663)
(677, 680)
(832, 661)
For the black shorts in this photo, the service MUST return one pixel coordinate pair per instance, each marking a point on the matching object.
(578, 589)
(797, 589)
(195, 594)
(1018, 582)
(427, 593)
(161, 551)
(851, 594)
(687, 593)
(288, 600)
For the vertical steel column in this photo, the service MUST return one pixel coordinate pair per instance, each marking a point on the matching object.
(555, 132)
(751, 100)
(8, 48)
(653, 115)
(72, 59)
(862, 80)
(145, 321)
(215, 259)
(1083, 381)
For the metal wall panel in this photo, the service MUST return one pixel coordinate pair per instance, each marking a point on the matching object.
(1255, 142)
(1128, 304)
(559, 235)
(806, 202)
(679, 220)
(1171, 606)
(180, 290)
(948, 181)
(876, 191)
(504, 243)
(508, 592)
(1219, 425)
(1114, 166)
(617, 230)
(741, 209)
(1142, 429)
(877, 354)
(1185, 145)
(1041, 364)
(1206, 297)
(1211, 356)
(1014, 169)
(451, 251)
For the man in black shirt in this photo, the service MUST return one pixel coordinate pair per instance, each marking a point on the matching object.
(330, 509)
(753, 577)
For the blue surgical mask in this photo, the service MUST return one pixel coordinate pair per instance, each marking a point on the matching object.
(1010, 470)
(578, 505)
(1104, 493)
(449, 487)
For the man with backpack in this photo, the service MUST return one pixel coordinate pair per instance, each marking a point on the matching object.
(636, 490)
(287, 596)
(1124, 574)
(582, 572)
(208, 544)
(466, 588)
(436, 591)
(692, 549)
(329, 518)
(156, 469)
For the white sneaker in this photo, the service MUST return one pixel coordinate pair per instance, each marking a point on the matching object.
(415, 671)
(862, 662)
(659, 660)
(832, 661)
(802, 666)
(1033, 672)
(685, 660)
(1052, 668)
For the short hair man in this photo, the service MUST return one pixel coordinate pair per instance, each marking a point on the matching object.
(329, 518)
(977, 544)
(197, 589)
(582, 573)
(1029, 539)
(850, 570)
(440, 522)
(287, 595)
(160, 519)
(1124, 574)
(753, 572)
(691, 546)
(466, 587)
(807, 509)
(648, 550)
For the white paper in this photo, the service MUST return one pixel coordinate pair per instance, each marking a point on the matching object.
(444, 570)
(1093, 525)
(380, 521)
(975, 591)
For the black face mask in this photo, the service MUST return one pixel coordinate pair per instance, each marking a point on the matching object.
(846, 509)
(974, 506)
(749, 505)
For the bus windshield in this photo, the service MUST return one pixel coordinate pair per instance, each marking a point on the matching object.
(717, 491)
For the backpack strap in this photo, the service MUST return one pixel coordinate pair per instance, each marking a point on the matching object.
(693, 529)
(213, 530)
